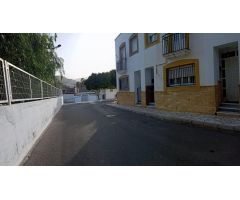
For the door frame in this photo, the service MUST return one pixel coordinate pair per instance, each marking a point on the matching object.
(223, 79)
(147, 87)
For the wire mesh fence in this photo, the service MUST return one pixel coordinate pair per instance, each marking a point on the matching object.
(17, 85)
(20, 84)
(3, 88)
(50, 91)
(46, 90)
(36, 88)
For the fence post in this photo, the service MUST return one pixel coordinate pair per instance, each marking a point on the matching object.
(41, 90)
(8, 80)
(4, 79)
(30, 84)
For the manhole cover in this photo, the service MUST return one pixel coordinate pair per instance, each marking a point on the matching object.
(110, 115)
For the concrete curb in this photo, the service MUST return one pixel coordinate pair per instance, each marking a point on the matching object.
(202, 121)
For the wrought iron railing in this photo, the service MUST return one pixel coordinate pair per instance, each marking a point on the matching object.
(17, 85)
(174, 42)
(122, 64)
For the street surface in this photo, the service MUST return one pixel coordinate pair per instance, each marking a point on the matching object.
(97, 134)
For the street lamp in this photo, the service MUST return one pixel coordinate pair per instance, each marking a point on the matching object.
(57, 46)
(53, 49)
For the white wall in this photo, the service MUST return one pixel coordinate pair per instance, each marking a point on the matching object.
(77, 99)
(92, 97)
(82, 97)
(85, 97)
(111, 93)
(201, 45)
(134, 62)
(149, 57)
(68, 98)
(21, 125)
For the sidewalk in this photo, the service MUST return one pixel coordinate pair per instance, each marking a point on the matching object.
(209, 121)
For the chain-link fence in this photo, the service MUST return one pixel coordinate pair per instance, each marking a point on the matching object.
(17, 85)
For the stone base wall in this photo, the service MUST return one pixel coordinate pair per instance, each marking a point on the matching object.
(126, 98)
(143, 99)
(219, 98)
(204, 99)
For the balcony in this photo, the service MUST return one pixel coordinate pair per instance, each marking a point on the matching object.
(122, 66)
(175, 44)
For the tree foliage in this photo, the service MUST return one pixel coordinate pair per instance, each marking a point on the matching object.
(101, 80)
(32, 52)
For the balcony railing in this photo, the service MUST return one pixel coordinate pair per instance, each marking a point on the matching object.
(122, 65)
(175, 42)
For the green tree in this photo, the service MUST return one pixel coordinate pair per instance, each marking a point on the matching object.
(101, 80)
(32, 52)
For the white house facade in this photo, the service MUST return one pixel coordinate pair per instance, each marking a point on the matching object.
(107, 94)
(179, 71)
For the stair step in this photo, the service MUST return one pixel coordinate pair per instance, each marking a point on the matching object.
(230, 105)
(229, 109)
(228, 114)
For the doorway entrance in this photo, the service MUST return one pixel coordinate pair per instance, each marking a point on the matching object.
(149, 82)
(137, 83)
(230, 76)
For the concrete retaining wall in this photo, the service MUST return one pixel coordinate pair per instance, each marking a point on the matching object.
(21, 125)
(71, 98)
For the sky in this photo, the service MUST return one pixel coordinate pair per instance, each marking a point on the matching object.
(86, 53)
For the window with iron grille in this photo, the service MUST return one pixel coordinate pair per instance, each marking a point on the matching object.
(123, 84)
(181, 76)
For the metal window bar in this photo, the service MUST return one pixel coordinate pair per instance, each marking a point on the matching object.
(174, 42)
(181, 72)
(3, 83)
(22, 86)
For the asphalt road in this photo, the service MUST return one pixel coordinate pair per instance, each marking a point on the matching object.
(97, 134)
